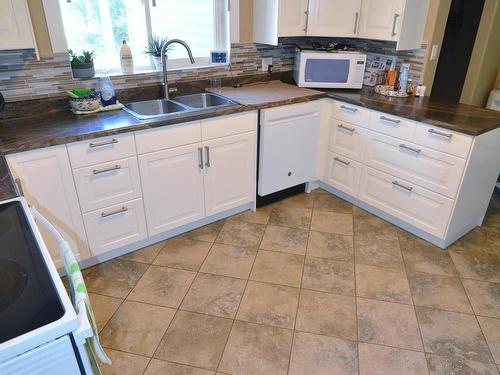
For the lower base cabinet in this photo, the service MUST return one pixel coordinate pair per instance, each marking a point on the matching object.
(342, 173)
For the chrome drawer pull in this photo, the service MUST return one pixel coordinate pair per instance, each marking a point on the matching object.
(104, 170)
(417, 150)
(103, 143)
(19, 186)
(341, 126)
(447, 135)
(207, 150)
(408, 188)
(200, 158)
(342, 161)
(118, 211)
(355, 23)
(383, 118)
(349, 108)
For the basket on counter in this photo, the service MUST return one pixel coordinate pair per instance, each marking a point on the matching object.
(85, 104)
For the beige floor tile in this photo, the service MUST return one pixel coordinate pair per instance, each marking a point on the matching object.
(286, 240)
(268, 304)
(253, 349)
(383, 284)
(303, 200)
(329, 202)
(183, 253)
(195, 340)
(327, 314)
(370, 227)
(484, 297)
(157, 367)
(330, 246)
(381, 253)
(440, 292)
(229, 260)
(452, 334)
(137, 328)
(382, 360)
(240, 233)
(441, 365)
(388, 323)
(491, 330)
(114, 278)
(278, 268)
(291, 217)
(145, 255)
(124, 363)
(206, 233)
(328, 276)
(104, 307)
(260, 216)
(332, 222)
(162, 286)
(214, 295)
(313, 354)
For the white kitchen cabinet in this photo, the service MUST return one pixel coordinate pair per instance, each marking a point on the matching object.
(47, 183)
(229, 172)
(172, 186)
(342, 173)
(338, 18)
(401, 21)
(292, 18)
(347, 139)
(16, 31)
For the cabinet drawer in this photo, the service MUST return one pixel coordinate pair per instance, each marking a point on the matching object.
(428, 168)
(347, 139)
(101, 150)
(115, 226)
(351, 113)
(342, 173)
(415, 205)
(228, 125)
(151, 140)
(445, 140)
(108, 184)
(392, 125)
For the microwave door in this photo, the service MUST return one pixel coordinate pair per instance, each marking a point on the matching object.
(327, 71)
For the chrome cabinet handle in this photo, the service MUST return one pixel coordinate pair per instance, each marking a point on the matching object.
(394, 121)
(408, 188)
(103, 143)
(118, 211)
(355, 23)
(447, 135)
(342, 161)
(207, 150)
(19, 186)
(104, 170)
(416, 150)
(307, 20)
(349, 108)
(154, 3)
(342, 126)
(393, 32)
(200, 158)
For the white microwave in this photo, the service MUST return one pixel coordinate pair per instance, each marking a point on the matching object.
(319, 69)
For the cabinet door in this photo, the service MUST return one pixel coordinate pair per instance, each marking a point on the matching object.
(230, 172)
(381, 19)
(172, 186)
(342, 173)
(333, 18)
(292, 18)
(47, 182)
(15, 25)
(347, 139)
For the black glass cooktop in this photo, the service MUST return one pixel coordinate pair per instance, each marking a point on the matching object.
(28, 297)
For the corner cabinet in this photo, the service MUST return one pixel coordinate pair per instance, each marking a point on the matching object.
(16, 31)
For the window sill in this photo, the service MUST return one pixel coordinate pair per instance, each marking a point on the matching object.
(119, 73)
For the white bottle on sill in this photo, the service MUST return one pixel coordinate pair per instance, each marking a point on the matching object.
(126, 59)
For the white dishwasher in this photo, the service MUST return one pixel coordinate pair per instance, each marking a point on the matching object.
(287, 147)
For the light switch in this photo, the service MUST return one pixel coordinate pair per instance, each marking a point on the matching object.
(434, 51)
(266, 61)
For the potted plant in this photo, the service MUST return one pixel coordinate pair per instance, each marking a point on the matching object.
(82, 65)
(155, 44)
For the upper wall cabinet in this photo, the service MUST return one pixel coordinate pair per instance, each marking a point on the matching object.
(333, 17)
(16, 31)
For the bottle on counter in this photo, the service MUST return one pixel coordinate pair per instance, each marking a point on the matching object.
(107, 90)
(403, 78)
(126, 59)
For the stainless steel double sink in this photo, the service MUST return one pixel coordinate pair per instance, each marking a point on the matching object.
(178, 106)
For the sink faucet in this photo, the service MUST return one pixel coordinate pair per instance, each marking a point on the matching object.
(164, 59)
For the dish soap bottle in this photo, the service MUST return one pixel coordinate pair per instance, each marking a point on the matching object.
(108, 96)
(126, 59)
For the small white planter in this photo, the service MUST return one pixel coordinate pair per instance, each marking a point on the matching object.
(157, 62)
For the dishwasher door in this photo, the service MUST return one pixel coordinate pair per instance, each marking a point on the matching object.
(288, 143)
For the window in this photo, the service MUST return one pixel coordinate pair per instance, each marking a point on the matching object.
(101, 25)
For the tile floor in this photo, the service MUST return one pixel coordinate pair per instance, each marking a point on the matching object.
(309, 285)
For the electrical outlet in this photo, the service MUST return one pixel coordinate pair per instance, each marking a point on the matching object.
(266, 61)
(434, 52)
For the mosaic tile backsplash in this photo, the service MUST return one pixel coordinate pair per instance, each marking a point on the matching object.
(22, 77)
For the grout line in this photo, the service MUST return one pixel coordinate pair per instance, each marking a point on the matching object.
(354, 218)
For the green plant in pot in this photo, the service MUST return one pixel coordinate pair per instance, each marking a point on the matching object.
(82, 64)
(153, 49)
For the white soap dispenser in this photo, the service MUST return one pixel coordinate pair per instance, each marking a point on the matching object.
(126, 59)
